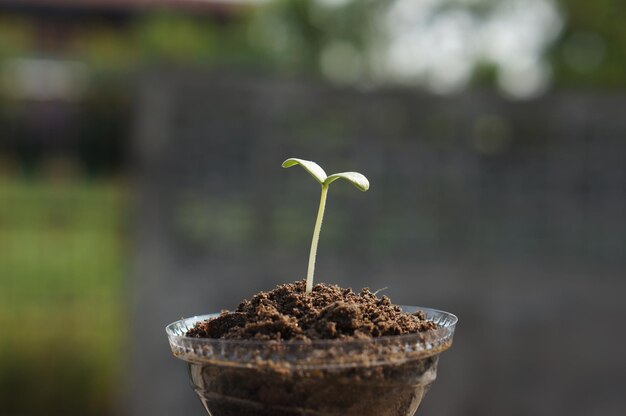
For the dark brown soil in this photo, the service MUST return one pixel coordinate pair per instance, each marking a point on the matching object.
(329, 312)
(381, 378)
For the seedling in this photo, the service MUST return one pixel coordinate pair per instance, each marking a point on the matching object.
(318, 173)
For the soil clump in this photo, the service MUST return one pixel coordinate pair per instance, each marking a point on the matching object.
(328, 312)
(363, 370)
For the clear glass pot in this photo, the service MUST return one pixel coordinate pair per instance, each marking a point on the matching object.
(386, 376)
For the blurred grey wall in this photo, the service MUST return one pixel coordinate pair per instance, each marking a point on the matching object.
(510, 214)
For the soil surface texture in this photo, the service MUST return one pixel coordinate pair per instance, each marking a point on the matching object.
(292, 375)
(329, 312)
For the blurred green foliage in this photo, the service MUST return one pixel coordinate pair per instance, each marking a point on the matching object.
(63, 267)
(292, 35)
(591, 51)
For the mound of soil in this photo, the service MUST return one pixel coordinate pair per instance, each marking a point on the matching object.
(328, 312)
(337, 379)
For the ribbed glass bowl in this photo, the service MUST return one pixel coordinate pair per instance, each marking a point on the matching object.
(386, 376)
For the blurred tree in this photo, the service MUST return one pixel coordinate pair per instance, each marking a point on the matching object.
(333, 38)
(443, 44)
(591, 51)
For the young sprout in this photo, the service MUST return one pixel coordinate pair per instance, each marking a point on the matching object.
(318, 173)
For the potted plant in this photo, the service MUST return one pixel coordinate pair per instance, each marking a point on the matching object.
(305, 349)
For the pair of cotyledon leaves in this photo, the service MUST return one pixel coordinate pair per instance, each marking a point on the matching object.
(318, 173)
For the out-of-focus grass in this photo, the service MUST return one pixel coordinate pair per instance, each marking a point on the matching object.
(62, 269)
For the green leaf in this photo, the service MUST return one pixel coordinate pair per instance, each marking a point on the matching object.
(355, 178)
(318, 173)
(313, 168)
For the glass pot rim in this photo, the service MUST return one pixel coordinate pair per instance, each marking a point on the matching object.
(314, 353)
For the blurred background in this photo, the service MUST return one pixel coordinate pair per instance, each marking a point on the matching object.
(140, 182)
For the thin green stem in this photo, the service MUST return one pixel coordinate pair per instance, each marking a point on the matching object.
(316, 237)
